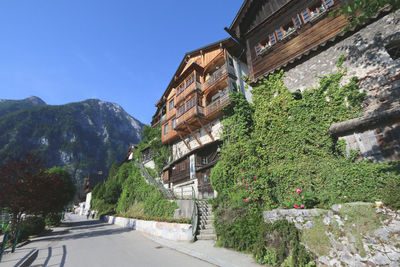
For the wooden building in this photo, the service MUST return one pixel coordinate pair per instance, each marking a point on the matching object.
(301, 38)
(189, 111)
(280, 32)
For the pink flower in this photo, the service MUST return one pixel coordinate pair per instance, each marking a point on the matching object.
(296, 206)
(249, 198)
(302, 206)
(283, 207)
(270, 171)
(246, 190)
(255, 177)
(246, 185)
(244, 200)
(302, 197)
(298, 191)
(242, 152)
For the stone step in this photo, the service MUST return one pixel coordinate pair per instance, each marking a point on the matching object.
(207, 231)
(206, 222)
(207, 213)
(206, 237)
(206, 226)
(207, 217)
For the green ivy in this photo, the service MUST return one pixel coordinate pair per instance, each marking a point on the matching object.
(280, 144)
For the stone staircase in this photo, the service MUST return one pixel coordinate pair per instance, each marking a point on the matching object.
(206, 220)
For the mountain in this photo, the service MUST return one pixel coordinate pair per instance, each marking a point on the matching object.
(85, 136)
(10, 106)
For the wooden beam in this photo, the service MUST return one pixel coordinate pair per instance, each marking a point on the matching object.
(183, 140)
(205, 129)
(194, 136)
(365, 122)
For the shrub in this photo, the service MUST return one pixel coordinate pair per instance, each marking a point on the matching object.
(31, 226)
(53, 219)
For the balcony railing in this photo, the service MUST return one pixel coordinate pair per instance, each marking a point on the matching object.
(217, 105)
(194, 86)
(194, 111)
(215, 77)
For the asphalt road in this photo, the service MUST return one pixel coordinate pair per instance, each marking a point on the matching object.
(93, 243)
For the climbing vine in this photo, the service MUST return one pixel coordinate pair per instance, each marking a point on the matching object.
(277, 153)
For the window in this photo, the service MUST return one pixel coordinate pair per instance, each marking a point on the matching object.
(204, 160)
(272, 39)
(171, 104)
(297, 21)
(234, 86)
(230, 61)
(306, 15)
(166, 128)
(191, 103)
(328, 3)
(190, 80)
(279, 34)
(258, 48)
(393, 48)
(180, 89)
(173, 124)
(181, 110)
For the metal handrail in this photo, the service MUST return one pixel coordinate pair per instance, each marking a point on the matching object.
(150, 179)
(195, 216)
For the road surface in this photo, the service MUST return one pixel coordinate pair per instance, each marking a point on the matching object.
(93, 243)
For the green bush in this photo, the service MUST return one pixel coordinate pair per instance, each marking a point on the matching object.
(31, 226)
(278, 146)
(53, 219)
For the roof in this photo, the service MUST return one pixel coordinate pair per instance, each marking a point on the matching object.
(183, 63)
(238, 16)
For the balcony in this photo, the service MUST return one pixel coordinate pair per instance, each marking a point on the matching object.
(217, 105)
(191, 113)
(191, 88)
(215, 77)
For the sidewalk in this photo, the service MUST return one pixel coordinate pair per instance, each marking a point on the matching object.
(205, 250)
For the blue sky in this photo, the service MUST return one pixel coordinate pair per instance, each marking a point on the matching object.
(123, 51)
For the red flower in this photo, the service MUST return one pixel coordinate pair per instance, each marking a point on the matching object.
(283, 207)
(242, 152)
(298, 191)
(302, 206)
(296, 206)
(255, 177)
(244, 200)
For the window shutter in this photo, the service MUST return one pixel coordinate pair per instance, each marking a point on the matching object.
(258, 48)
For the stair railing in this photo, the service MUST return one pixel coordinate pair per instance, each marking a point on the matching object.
(150, 179)
(195, 216)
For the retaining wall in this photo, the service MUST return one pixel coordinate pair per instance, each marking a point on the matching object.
(170, 231)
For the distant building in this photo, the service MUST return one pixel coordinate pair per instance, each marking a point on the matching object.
(189, 113)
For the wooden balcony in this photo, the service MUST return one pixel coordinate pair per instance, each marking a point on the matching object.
(195, 111)
(182, 96)
(217, 105)
(217, 76)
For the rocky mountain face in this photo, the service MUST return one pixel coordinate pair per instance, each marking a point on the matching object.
(85, 137)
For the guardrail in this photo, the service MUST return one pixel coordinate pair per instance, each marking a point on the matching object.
(150, 179)
(195, 216)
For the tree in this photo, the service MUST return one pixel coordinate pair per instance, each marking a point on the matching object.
(26, 187)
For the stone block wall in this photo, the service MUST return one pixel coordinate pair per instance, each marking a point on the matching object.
(351, 234)
(367, 58)
(170, 231)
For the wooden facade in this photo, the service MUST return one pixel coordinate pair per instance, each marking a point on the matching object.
(198, 91)
(279, 32)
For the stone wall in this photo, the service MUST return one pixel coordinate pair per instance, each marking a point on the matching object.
(170, 231)
(367, 58)
(351, 234)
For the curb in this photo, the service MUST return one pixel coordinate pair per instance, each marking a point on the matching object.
(192, 253)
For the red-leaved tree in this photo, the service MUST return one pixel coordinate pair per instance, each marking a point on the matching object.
(26, 187)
